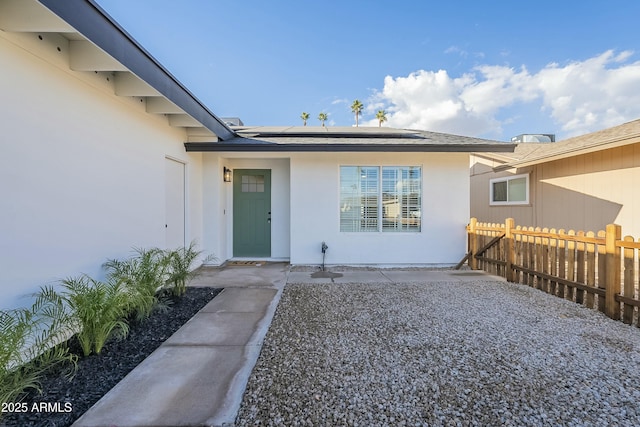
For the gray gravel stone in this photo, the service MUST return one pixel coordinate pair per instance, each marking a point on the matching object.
(441, 354)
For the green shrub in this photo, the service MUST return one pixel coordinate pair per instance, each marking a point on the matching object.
(32, 341)
(96, 310)
(180, 272)
(151, 271)
(144, 275)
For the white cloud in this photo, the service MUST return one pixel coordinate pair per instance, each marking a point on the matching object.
(456, 50)
(580, 97)
(592, 94)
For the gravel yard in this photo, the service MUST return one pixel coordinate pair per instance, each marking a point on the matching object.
(444, 353)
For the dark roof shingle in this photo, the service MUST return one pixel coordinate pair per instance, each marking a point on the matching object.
(302, 138)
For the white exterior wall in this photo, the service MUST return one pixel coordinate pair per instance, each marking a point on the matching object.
(216, 213)
(280, 197)
(218, 199)
(81, 170)
(315, 196)
(306, 208)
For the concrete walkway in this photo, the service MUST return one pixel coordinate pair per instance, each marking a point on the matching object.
(198, 376)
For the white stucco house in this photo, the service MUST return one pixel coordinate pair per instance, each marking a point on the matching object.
(104, 150)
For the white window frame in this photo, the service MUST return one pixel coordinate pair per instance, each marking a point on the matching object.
(507, 179)
(380, 210)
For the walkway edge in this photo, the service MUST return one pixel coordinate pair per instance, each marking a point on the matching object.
(227, 415)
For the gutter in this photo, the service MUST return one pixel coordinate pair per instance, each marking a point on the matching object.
(343, 147)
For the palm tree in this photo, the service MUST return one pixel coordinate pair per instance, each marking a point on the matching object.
(322, 117)
(304, 116)
(356, 108)
(381, 115)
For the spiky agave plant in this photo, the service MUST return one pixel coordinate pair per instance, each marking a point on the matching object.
(32, 341)
(97, 310)
(144, 275)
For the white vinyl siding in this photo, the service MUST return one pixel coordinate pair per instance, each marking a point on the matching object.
(374, 199)
(512, 190)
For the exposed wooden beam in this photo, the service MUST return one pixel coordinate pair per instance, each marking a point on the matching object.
(201, 134)
(127, 84)
(183, 120)
(22, 16)
(88, 19)
(161, 105)
(85, 56)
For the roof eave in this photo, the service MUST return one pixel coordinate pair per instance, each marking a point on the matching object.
(96, 25)
(600, 145)
(569, 153)
(344, 147)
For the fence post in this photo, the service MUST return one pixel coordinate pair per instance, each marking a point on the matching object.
(473, 244)
(612, 284)
(509, 225)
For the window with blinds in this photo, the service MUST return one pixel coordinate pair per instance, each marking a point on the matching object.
(374, 199)
(401, 198)
(359, 195)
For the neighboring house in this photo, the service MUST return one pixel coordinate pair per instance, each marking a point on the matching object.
(581, 183)
(103, 151)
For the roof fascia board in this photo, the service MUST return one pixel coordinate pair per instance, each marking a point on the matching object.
(96, 25)
(570, 153)
(346, 135)
(324, 147)
(494, 156)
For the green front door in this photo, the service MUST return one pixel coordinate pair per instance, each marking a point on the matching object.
(252, 213)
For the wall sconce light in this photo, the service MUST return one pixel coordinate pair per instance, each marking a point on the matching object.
(226, 174)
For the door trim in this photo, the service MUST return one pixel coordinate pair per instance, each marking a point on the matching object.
(183, 202)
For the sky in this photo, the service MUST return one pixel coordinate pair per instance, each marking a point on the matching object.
(490, 69)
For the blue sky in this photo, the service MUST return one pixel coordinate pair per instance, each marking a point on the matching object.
(490, 69)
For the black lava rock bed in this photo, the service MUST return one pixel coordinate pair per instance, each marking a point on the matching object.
(64, 401)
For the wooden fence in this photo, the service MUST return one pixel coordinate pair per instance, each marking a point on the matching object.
(596, 269)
